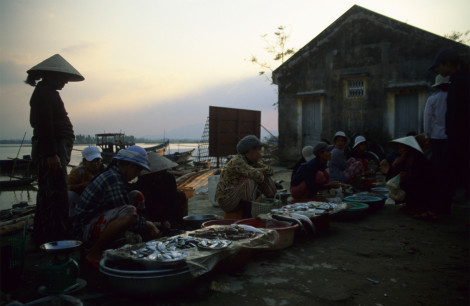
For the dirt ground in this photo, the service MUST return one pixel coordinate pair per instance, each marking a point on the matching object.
(385, 258)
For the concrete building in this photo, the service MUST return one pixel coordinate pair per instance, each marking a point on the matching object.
(365, 74)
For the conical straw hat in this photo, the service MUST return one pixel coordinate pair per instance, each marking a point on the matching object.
(158, 163)
(57, 63)
(409, 141)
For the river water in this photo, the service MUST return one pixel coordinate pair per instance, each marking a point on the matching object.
(28, 194)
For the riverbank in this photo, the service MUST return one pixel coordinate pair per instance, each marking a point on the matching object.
(386, 258)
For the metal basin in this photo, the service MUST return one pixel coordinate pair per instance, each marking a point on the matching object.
(62, 246)
(147, 282)
(196, 221)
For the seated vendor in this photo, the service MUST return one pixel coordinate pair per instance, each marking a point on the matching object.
(337, 164)
(163, 202)
(80, 176)
(416, 175)
(103, 212)
(244, 178)
(306, 151)
(357, 163)
(313, 175)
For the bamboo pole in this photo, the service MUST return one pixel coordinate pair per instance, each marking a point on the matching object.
(14, 162)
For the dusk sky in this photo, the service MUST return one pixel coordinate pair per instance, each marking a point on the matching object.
(154, 66)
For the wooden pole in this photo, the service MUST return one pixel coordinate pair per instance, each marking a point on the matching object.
(14, 162)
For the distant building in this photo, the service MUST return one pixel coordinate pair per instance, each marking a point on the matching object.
(365, 74)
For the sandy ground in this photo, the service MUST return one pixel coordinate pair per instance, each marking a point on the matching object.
(385, 258)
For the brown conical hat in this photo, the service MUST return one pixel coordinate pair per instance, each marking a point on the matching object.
(57, 63)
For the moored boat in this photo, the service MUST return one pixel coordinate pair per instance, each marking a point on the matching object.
(111, 143)
(17, 164)
(17, 182)
(180, 157)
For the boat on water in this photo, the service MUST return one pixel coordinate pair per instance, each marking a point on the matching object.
(111, 143)
(180, 157)
(17, 182)
(18, 164)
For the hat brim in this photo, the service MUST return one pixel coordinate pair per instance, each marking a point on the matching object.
(144, 166)
(410, 142)
(58, 64)
(70, 77)
(93, 157)
(433, 66)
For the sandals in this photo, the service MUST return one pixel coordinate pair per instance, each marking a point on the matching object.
(427, 216)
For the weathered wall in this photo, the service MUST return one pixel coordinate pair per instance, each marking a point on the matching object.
(384, 52)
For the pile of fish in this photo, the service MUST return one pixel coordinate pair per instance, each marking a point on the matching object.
(311, 209)
(161, 251)
(214, 244)
(234, 232)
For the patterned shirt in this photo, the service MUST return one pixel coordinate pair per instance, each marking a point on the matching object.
(107, 191)
(235, 170)
(79, 178)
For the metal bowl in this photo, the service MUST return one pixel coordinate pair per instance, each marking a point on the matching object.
(107, 266)
(62, 246)
(150, 284)
(196, 221)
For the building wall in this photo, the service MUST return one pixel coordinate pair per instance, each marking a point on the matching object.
(389, 56)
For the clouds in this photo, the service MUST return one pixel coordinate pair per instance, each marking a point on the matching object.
(151, 65)
(184, 113)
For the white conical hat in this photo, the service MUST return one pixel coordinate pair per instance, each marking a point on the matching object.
(57, 63)
(158, 163)
(409, 141)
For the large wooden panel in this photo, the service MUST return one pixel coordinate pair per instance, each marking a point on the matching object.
(228, 125)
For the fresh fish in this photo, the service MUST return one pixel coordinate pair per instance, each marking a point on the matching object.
(290, 219)
(161, 247)
(153, 256)
(306, 222)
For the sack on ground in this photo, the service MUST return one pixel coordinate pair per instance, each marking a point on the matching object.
(396, 193)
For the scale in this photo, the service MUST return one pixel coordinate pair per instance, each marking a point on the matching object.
(61, 273)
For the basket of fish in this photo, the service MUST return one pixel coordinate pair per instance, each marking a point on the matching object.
(156, 254)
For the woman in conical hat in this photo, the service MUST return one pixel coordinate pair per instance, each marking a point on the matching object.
(52, 143)
(416, 175)
(163, 202)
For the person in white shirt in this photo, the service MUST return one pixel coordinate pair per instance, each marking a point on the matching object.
(435, 121)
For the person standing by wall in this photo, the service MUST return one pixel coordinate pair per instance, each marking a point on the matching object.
(435, 121)
(457, 125)
(52, 144)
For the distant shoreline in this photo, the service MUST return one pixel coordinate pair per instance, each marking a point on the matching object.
(28, 142)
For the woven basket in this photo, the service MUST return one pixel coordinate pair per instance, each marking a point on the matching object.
(258, 208)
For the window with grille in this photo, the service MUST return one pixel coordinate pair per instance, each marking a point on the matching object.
(355, 88)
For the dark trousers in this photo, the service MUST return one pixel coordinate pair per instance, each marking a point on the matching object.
(51, 222)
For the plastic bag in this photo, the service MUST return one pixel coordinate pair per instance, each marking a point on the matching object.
(396, 193)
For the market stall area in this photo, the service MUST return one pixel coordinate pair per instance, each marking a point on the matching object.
(361, 256)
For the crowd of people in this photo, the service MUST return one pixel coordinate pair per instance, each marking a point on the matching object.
(96, 204)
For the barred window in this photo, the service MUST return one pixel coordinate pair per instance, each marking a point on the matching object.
(355, 88)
